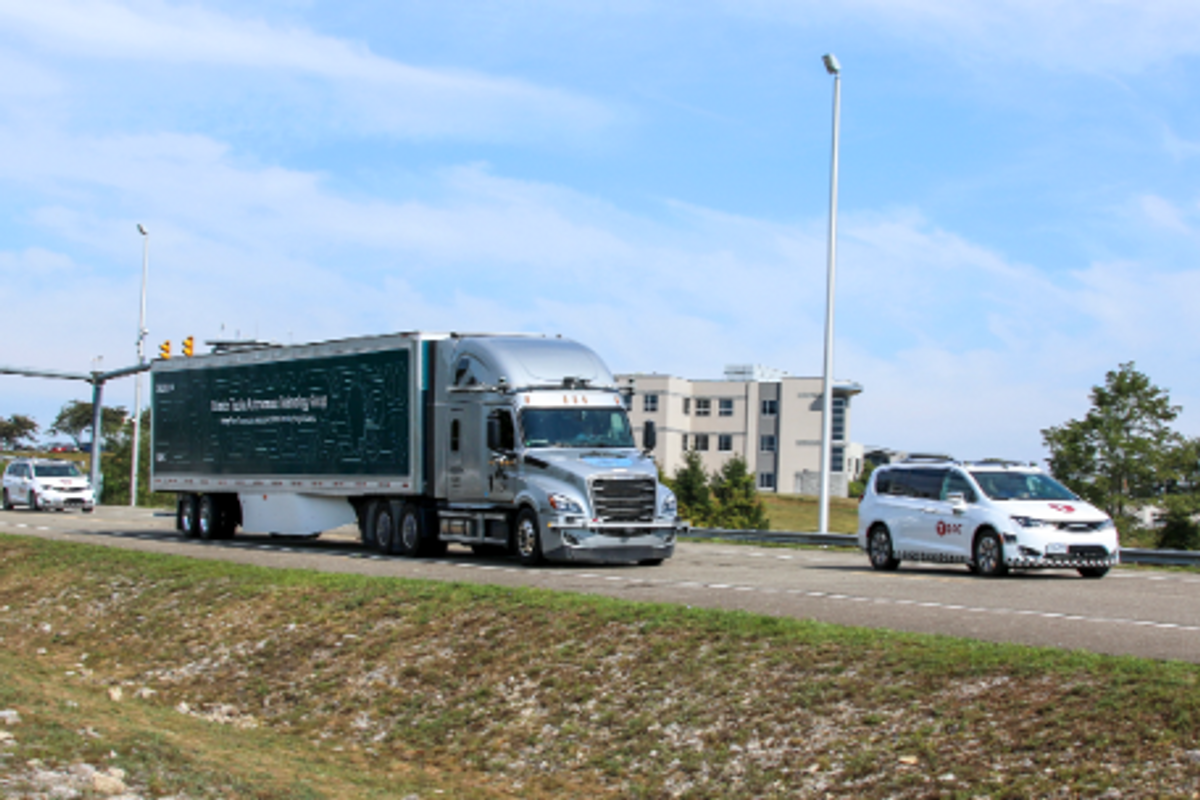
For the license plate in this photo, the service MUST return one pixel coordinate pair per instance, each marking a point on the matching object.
(1056, 549)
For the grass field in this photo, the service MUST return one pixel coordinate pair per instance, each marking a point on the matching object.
(219, 680)
(793, 512)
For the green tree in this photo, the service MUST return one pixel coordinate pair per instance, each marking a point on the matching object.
(1121, 451)
(690, 485)
(75, 419)
(738, 506)
(15, 429)
(117, 463)
(1179, 530)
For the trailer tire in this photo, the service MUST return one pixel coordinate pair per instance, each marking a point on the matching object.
(410, 529)
(383, 526)
(185, 515)
(529, 538)
(208, 518)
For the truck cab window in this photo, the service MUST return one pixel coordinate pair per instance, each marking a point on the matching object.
(508, 439)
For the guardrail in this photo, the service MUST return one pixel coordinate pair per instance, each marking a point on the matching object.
(1129, 555)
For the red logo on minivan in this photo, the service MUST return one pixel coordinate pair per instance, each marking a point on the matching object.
(1063, 508)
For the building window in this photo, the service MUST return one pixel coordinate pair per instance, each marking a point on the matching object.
(687, 405)
(702, 442)
(684, 438)
(703, 407)
(770, 408)
(766, 444)
(725, 407)
(838, 423)
(766, 480)
(725, 442)
(837, 459)
(650, 403)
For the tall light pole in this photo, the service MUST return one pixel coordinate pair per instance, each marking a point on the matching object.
(835, 69)
(141, 353)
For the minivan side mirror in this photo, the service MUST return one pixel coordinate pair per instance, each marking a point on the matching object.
(956, 499)
(649, 436)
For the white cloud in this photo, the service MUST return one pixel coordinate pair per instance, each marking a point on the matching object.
(364, 91)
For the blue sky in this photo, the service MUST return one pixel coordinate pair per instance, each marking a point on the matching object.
(1019, 197)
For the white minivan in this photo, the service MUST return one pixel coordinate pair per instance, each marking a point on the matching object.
(44, 484)
(991, 516)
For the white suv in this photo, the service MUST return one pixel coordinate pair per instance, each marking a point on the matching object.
(45, 484)
(991, 516)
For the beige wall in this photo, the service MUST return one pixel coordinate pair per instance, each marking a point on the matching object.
(796, 427)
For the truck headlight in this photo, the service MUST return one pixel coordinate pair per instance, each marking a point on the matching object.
(564, 504)
(670, 506)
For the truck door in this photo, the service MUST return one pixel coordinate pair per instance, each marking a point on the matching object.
(502, 461)
(464, 460)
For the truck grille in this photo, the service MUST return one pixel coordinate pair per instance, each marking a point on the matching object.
(624, 499)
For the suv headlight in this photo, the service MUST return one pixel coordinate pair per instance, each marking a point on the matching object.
(669, 506)
(564, 504)
(1029, 522)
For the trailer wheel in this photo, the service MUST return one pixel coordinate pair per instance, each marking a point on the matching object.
(529, 538)
(208, 518)
(410, 533)
(185, 515)
(383, 526)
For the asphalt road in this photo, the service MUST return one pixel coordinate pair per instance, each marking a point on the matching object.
(1144, 612)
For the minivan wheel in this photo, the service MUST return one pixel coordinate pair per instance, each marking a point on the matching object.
(33, 501)
(8, 506)
(1093, 572)
(989, 555)
(879, 549)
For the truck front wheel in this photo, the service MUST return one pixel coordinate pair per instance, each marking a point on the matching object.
(529, 538)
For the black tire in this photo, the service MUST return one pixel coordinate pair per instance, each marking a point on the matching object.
(528, 536)
(88, 509)
(1093, 572)
(988, 555)
(383, 526)
(410, 529)
(879, 549)
(8, 506)
(185, 515)
(33, 501)
(650, 562)
(208, 518)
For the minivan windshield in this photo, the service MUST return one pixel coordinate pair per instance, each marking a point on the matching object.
(1021, 486)
(576, 427)
(56, 470)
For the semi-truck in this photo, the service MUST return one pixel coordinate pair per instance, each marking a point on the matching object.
(516, 444)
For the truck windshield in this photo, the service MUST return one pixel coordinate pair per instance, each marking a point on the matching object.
(1021, 486)
(576, 427)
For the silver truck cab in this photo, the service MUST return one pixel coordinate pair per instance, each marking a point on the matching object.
(537, 452)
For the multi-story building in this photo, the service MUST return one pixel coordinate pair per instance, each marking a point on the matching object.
(769, 418)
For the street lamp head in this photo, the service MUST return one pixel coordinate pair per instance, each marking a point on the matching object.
(145, 232)
(831, 64)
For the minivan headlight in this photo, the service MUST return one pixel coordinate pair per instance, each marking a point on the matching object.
(1028, 522)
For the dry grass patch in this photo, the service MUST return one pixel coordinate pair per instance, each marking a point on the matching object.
(499, 692)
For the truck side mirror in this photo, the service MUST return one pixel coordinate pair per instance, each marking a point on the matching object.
(649, 436)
